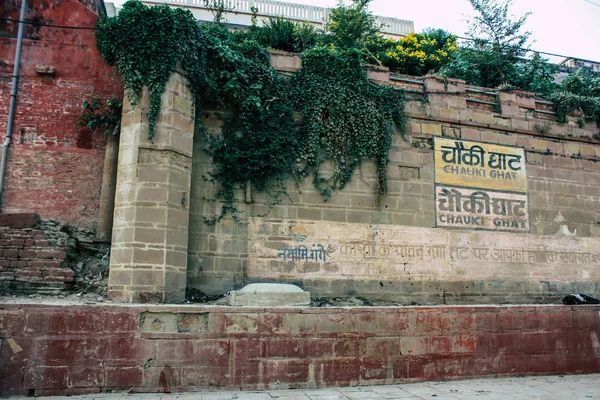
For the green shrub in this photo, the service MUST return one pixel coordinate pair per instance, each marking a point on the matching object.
(351, 26)
(580, 92)
(420, 53)
(536, 75)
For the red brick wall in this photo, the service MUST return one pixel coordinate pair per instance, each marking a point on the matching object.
(29, 263)
(55, 166)
(82, 349)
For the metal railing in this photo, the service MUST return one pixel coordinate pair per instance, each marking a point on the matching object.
(297, 12)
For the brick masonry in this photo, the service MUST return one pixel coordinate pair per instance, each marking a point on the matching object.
(55, 166)
(61, 350)
(29, 264)
(31, 261)
(563, 180)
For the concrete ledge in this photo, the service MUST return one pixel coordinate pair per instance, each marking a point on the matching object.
(269, 295)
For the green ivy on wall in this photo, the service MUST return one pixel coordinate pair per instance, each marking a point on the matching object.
(146, 44)
(345, 117)
(258, 136)
(578, 92)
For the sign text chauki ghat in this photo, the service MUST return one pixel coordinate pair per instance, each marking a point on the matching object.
(480, 186)
(471, 209)
(463, 161)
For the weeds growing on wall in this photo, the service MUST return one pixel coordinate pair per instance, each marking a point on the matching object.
(102, 114)
(578, 92)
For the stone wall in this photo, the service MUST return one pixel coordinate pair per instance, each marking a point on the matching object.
(561, 192)
(61, 350)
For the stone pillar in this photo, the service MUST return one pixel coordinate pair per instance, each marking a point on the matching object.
(107, 193)
(150, 228)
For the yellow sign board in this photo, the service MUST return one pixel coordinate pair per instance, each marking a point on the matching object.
(480, 186)
(480, 165)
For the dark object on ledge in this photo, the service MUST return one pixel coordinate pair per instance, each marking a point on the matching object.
(578, 298)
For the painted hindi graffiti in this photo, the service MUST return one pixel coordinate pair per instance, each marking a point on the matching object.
(542, 254)
(301, 253)
(334, 250)
(480, 186)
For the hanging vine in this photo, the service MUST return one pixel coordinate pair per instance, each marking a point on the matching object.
(346, 118)
(258, 136)
(146, 44)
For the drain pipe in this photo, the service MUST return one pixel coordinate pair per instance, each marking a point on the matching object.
(13, 98)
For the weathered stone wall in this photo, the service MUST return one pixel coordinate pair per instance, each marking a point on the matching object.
(556, 252)
(62, 350)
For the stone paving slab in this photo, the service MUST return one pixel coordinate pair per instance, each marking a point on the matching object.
(560, 387)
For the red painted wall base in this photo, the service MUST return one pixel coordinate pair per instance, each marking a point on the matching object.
(53, 349)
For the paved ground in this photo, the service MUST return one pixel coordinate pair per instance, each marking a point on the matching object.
(567, 387)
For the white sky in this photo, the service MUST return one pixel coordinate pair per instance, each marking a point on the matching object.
(565, 27)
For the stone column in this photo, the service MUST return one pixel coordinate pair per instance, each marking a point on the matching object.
(150, 228)
(107, 193)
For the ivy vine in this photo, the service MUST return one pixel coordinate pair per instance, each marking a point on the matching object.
(146, 44)
(345, 118)
(258, 135)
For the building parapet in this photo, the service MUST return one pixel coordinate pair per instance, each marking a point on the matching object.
(593, 66)
(241, 13)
